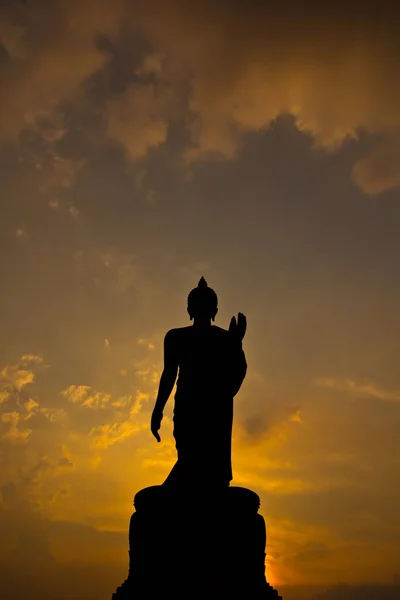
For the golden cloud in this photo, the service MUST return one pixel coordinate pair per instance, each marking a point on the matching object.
(122, 402)
(138, 403)
(111, 433)
(15, 378)
(76, 393)
(330, 67)
(148, 375)
(4, 397)
(13, 433)
(32, 358)
(85, 396)
(146, 342)
(31, 405)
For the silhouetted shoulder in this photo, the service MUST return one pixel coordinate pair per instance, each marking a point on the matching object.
(220, 330)
(221, 333)
(175, 334)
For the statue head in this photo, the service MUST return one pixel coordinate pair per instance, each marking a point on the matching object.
(202, 302)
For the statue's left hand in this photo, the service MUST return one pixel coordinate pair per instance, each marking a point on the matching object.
(155, 424)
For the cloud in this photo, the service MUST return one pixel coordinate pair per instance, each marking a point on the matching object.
(12, 432)
(273, 418)
(121, 402)
(31, 405)
(110, 269)
(135, 121)
(4, 396)
(76, 393)
(148, 375)
(380, 170)
(60, 171)
(66, 459)
(250, 63)
(31, 538)
(146, 342)
(111, 433)
(18, 406)
(86, 397)
(138, 403)
(32, 358)
(51, 49)
(358, 389)
(53, 415)
(222, 70)
(14, 378)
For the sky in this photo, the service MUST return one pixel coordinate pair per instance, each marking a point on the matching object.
(144, 145)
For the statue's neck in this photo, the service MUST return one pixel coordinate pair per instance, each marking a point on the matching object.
(202, 323)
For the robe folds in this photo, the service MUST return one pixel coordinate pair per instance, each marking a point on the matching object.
(212, 366)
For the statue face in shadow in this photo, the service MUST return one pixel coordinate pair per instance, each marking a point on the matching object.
(202, 315)
(202, 302)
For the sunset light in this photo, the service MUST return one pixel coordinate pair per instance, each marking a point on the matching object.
(144, 145)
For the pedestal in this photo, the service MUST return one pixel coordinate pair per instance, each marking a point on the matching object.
(199, 545)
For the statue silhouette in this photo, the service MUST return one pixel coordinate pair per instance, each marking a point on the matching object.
(211, 365)
(195, 536)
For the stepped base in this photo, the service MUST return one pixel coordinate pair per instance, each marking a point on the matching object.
(196, 546)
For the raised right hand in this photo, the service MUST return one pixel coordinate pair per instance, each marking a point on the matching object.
(238, 327)
(242, 325)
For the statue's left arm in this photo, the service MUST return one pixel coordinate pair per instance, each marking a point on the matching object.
(167, 382)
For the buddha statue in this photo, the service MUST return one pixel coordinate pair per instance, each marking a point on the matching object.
(208, 365)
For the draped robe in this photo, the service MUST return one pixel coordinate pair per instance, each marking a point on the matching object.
(212, 367)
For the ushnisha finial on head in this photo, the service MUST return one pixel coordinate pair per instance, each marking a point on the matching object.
(202, 302)
(202, 283)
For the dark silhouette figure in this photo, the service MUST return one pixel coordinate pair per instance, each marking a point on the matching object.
(211, 365)
(195, 537)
